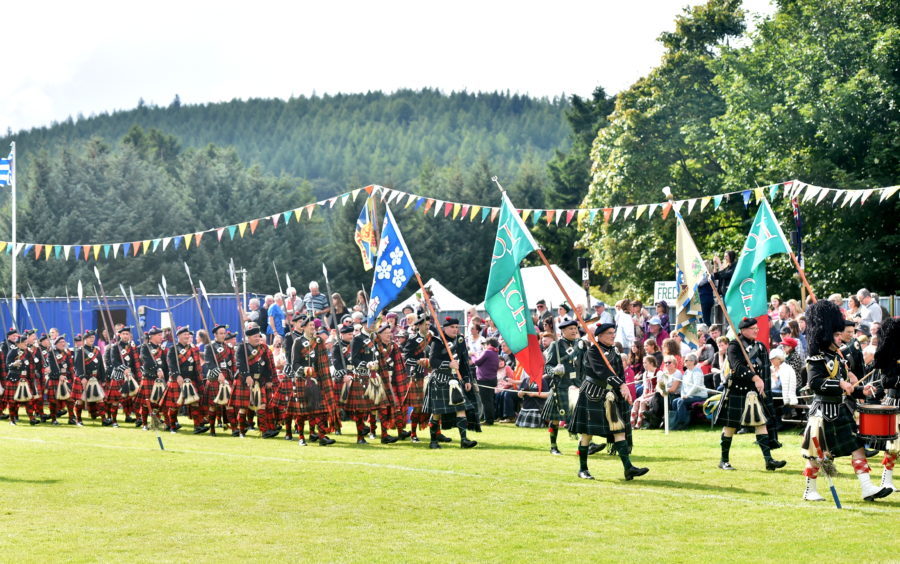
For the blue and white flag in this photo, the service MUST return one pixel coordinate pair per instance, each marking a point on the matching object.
(393, 268)
(6, 170)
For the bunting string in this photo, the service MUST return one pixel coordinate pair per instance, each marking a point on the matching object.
(455, 211)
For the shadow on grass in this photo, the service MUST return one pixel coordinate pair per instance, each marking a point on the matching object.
(717, 488)
(4, 479)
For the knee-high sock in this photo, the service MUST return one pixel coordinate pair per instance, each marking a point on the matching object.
(384, 413)
(301, 422)
(621, 447)
(78, 410)
(360, 426)
(54, 408)
(763, 442)
(70, 408)
(434, 427)
(726, 447)
(13, 410)
(113, 410)
(462, 424)
(554, 432)
(582, 457)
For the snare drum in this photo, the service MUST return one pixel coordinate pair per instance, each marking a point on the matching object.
(878, 422)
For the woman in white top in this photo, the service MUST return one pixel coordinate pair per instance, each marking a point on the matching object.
(624, 324)
(784, 379)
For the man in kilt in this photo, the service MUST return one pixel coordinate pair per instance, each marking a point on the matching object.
(747, 400)
(89, 367)
(47, 360)
(367, 389)
(450, 378)
(6, 346)
(123, 364)
(563, 361)
(220, 360)
(19, 380)
(256, 368)
(286, 401)
(185, 370)
(393, 375)
(37, 360)
(830, 421)
(311, 376)
(340, 363)
(60, 365)
(415, 353)
(154, 370)
(76, 400)
(603, 403)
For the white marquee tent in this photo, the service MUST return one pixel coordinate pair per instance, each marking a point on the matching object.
(539, 284)
(447, 301)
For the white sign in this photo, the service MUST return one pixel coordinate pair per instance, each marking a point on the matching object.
(665, 291)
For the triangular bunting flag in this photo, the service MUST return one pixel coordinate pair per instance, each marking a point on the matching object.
(525, 214)
(746, 196)
(331, 202)
(135, 247)
(253, 225)
(368, 190)
(484, 213)
(717, 201)
(569, 215)
(176, 241)
(28, 247)
(616, 211)
(456, 208)
(464, 211)
(888, 192)
(494, 212)
(166, 241)
(865, 195)
(242, 227)
(156, 243)
(474, 213)
(691, 204)
(231, 231)
(97, 251)
(275, 219)
(309, 210)
(678, 204)
(593, 215)
(582, 214)
(650, 209)
(87, 251)
(448, 207)
(822, 193)
(77, 249)
(410, 199)
(197, 236)
(640, 211)
(759, 194)
(628, 210)
(666, 208)
(145, 244)
(3, 245)
(811, 191)
(115, 251)
(47, 250)
(37, 250)
(344, 199)
(219, 232)
(438, 206)
(125, 248)
(607, 213)
(428, 203)
(187, 241)
(837, 196)
(551, 214)
(297, 213)
(355, 193)
(57, 250)
(705, 202)
(773, 191)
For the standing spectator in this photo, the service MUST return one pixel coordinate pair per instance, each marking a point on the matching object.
(707, 299)
(854, 309)
(634, 368)
(486, 366)
(662, 312)
(624, 324)
(315, 304)
(783, 379)
(564, 314)
(340, 308)
(871, 311)
(253, 313)
(292, 303)
(641, 318)
(541, 313)
(774, 307)
(794, 309)
(264, 312)
(837, 300)
(601, 313)
(706, 351)
(656, 331)
(362, 301)
(276, 318)
(792, 357)
(721, 275)
(475, 342)
(716, 376)
(692, 390)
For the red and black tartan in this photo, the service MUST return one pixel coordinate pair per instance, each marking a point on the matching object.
(112, 390)
(9, 389)
(356, 401)
(170, 401)
(314, 357)
(77, 388)
(143, 395)
(210, 391)
(240, 394)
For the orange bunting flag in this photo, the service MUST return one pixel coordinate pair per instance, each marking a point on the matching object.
(135, 247)
(368, 189)
(428, 203)
(37, 251)
(606, 213)
(309, 210)
(550, 215)
(253, 225)
(197, 236)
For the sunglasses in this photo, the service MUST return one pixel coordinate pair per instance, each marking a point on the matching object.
(668, 362)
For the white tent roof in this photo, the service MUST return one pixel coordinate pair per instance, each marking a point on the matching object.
(539, 285)
(446, 300)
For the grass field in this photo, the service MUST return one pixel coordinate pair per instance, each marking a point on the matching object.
(103, 494)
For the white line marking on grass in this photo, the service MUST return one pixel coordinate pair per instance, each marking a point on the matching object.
(633, 490)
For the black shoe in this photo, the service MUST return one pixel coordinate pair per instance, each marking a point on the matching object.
(130, 420)
(432, 444)
(366, 430)
(724, 465)
(138, 423)
(325, 441)
(555, 451)
(313, 437)
(585, 475)
(201, 429)
(772, 464)
(870, 453)
(235, 433)
(301, 442)
(884, 493)
(177, 425)
(289, 437)
(71, 421)
(271, 433)
(633, 472)
(54, 422)
(403, 435)
(444, 438)
(4, 417)
(361, 441)
(33, 422)
(388, 440)
(466, 443)
(594, 448)
(44, 417)
(415, 439)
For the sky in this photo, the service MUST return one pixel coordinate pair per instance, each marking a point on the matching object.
(87, 57)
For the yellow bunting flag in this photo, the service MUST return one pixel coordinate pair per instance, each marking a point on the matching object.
(187, 242)
(242, 227)
(97, 251)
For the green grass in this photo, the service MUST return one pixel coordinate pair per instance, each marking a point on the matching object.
(102, 494)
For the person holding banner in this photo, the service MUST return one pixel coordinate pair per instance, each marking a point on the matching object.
(603, 403)
(563, 362)
(743, 403)
(450, 378)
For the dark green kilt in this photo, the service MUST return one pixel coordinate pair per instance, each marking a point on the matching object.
(589, 416)
(556, 408)
(841, 434)
(437, 396)
(730, 410)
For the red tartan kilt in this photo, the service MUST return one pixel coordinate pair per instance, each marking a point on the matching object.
(51, 389)
(9, 390)
(210, 391)
(113, 391)
(282, 393)
(170, 401)
(400, 382)
(77, 389)
(143, 394)
(329, 396)
(415, 394)
(356, 399)
(240, 394)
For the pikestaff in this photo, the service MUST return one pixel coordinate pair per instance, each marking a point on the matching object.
(11, 312)
(38, 309)
(334, 320)
(241, 393)
(28, 312)
(110, 325)
(71, 323)
(277, 278)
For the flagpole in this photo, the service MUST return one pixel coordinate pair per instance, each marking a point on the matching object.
(433, 313)
(14, 244)
(565, 294)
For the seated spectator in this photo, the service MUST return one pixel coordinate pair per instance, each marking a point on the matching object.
(668, 384)
(672, 347)
(634, 368)
(547, 339)
(706, 350)
(656, 331)
(716, 377)
(692, 390)
(783, 378)
(532, 403)
(652, 348)
(648, 386)
(506, 399)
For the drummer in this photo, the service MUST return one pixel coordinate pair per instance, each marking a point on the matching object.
(887, 362)
(830, 422)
